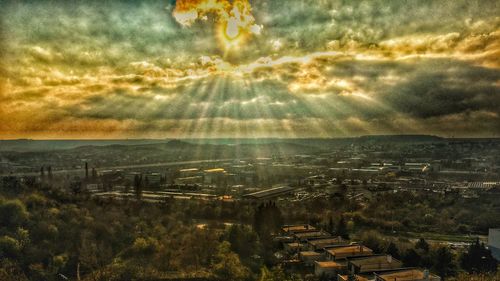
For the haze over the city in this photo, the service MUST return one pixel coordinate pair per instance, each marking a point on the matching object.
(218, 68)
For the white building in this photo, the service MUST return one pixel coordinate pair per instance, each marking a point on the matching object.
(494, 242)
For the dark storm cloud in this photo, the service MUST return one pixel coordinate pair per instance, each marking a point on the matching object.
(319, 67)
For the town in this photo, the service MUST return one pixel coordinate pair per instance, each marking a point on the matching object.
(316, 207)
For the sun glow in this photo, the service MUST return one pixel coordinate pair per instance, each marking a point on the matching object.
(235, 22)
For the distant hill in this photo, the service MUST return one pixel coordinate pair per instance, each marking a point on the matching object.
(42, 145)
(26, 145)
(177, 149)
(401, 138)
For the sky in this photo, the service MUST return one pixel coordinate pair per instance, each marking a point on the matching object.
(262, 68)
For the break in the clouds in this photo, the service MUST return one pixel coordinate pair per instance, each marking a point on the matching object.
(218, 68)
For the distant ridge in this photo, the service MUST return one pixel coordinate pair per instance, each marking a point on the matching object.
(404, 138)
(28, 145)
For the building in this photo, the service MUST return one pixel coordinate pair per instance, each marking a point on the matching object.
(407, 274)
(305, 236)
(327, 268)
(494, 242)
(214, 176)
(309, 257)
(293, 247)
(318, 244)
(346, 278)
(359, 265)
(191, 172)
(291, 229)
(339, 253)
(270, 193)
(154, 178)
(189, 180)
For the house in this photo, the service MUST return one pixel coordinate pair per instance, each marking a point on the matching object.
(346, 278)
(293, 247)
(304, 236)
(494, 242)
(373, 263)
(309, 257)
(343, 252)
(298, 228)
(407, 274)
(327, 268)
(318, 244)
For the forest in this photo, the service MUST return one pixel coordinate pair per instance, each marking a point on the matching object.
(50, 233)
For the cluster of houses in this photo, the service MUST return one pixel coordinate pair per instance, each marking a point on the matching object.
(334, 258)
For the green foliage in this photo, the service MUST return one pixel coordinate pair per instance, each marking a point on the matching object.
(226, 265)
(276, 274)
(444, 264)
(373, 240)
(341, 228)
(411, 258)
(478, 259)
(422, 244)
(13, 213)
(393, 250)
(9, 247)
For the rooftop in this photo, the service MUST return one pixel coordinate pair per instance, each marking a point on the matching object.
(349, 251)
(311, 234)
(297, 228)
(323, 241)
(346, 278)
(328, 264)
(216, 170)
(373, 263)
(411, 274)
(309, 254)
(270, 192)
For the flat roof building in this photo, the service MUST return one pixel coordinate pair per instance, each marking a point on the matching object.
(309, 257)
(327, 268)
(297, 228)
(304, 236)
(408, 274)
(318, 244)
(270, 193)
(344, 252)
(494, 242)
(359, 265)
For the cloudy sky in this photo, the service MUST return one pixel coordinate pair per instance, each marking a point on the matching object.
(264, 68)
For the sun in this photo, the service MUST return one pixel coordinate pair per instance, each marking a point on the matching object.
(230, 35)
(232, 29)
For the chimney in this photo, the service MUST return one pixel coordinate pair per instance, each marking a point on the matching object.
(389, 258)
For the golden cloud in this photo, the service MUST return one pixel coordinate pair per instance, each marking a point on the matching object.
(235, 22)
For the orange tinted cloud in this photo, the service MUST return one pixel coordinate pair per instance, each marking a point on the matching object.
(235, 21)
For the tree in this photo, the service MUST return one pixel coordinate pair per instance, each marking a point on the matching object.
(138, 186)
(444, 264)
(478, 259)
(330, 227)
(411, 258)
(373, 240)
(12, 213)
(422, 244)
(267, 219)
(393, 250)
(226, 265)
(342, 228)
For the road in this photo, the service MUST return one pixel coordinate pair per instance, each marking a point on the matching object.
(123, 167)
